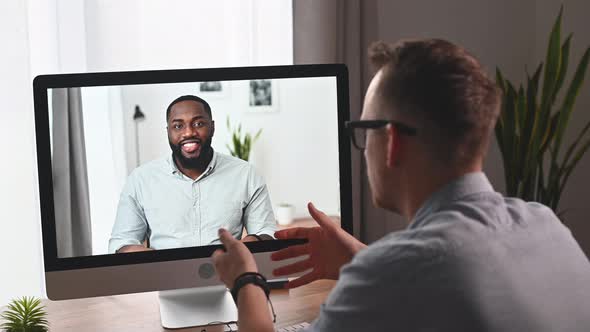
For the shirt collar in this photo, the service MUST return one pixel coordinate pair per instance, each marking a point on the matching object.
(461, 187)
(174, 170)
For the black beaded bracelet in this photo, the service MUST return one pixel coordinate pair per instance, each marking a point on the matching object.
(249, 278)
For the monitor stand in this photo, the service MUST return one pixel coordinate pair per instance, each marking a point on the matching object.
(199, 306)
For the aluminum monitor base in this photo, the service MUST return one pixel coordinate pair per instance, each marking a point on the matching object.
(199, 306)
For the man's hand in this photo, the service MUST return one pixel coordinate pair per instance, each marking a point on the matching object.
(250, 238)
(236, 259)
(133, 248)
(329, 247)
(254, 238)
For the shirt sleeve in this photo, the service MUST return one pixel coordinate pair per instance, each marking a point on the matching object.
(258, 215)
(130, 227)
(355, 303)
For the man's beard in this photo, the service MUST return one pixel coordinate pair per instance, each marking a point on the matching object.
(192, 163)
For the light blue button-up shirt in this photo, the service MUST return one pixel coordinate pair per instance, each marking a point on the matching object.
(173, 210)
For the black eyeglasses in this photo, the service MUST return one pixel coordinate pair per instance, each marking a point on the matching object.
(358, 130)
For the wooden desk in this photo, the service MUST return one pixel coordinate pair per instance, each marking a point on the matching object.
(140, 312)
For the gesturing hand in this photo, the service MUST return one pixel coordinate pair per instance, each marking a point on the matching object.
(236, 260)
(329, 247)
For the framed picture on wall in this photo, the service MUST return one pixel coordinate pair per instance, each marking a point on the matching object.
(263, 96)
(213, 89)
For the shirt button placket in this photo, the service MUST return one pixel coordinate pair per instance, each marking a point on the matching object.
(196, 213)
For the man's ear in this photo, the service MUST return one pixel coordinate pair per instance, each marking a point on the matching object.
(393, 146)
(212, 128)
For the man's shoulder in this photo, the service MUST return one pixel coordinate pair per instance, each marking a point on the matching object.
(229, 160)
(151, 168)
(487, 212)
(402, 252)
(228, 163)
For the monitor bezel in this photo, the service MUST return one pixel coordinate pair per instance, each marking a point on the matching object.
(44, 82)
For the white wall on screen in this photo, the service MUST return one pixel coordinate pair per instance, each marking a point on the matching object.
(297, 150)
(104, 156)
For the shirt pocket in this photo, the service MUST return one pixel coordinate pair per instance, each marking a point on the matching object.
(227, 215)
(169, 223)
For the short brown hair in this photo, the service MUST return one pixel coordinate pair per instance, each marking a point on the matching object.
(445, 89)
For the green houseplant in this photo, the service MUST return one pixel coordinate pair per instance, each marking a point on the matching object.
(25, 315)
(241, 145)
(532, 124)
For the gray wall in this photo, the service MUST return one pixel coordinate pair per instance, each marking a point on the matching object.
(507, 34)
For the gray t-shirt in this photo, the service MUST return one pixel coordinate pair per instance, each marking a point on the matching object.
(471, 260)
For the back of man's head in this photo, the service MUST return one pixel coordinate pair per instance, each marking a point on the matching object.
(444, 91)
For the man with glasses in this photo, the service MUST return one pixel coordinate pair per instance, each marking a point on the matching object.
(469, 259)
(182, 199)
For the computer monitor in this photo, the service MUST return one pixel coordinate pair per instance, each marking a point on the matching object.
(115, 153)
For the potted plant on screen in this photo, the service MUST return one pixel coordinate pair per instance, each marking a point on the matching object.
(241, 145)
(24, 315)
(533, 123)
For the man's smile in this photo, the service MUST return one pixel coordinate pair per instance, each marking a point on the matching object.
(190, 145)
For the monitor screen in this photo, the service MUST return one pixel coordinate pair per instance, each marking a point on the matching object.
(159, 161)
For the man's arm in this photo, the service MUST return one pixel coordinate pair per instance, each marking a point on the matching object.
(254, 237)
(253, 312)
(258, 217)
(130, 228)
(133, 248)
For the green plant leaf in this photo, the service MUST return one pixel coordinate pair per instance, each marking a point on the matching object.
(565, 52)
(509, 138)
(520, 115)
(570, 99)
(499, 129)
(569, 168)
(24, 314)
(257, 135)
(573, 146)
(500, 80)
(529, 121)
(237, 145)
(552, 61)
(549, 133)
(240, 145)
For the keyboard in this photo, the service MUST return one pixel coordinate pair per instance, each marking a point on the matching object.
(291, 328)
(294, 327)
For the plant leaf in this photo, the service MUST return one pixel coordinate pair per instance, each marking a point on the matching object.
(569, 168)
(570, 99)
(509, 138)
(257, 135)
(529, 121)
(552, 61)
(565, 52)
(573, 146)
